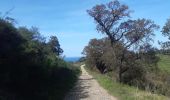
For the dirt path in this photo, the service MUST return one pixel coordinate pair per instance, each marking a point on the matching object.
(87, 88)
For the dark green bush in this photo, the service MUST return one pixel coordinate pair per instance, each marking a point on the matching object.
(30, 68)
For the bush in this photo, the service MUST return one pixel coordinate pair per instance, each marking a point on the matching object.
(30, 68)
(138, 68)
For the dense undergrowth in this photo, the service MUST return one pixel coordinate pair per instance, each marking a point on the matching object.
(31, 67)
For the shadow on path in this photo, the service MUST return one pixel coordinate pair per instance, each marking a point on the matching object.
(80, 91)
(87, 88)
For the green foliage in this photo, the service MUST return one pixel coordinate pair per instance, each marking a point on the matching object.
(94, 53)
(54, 45)
(127, 50)
(135, 65)
(30, 68)
(164, 75)
(112, 19)
(122, 91)
(140, 68)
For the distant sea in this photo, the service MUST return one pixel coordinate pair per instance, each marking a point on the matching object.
(71, 59)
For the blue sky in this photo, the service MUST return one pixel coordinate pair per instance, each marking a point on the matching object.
(68, 20)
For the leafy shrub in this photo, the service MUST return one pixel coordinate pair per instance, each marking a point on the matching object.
(30, 68)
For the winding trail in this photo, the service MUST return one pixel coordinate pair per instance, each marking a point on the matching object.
(87, 88)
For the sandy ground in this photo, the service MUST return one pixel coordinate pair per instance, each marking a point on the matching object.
(87, 88)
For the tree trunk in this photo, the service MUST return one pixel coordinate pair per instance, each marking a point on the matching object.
(120, 68)
(119, 62)
(120, 73)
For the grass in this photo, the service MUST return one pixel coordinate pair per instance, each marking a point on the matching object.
(124, 92)
(164, 63)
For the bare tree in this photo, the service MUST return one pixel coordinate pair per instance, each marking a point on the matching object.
(113, 20)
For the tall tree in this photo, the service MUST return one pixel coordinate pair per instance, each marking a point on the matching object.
(113, 20)
(55, 46)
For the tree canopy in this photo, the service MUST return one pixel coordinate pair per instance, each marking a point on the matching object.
(113, 20)
(166, 33)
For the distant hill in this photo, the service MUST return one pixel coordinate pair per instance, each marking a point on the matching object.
(71, 59)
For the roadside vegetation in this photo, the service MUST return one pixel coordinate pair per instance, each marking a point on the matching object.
(164, 63)
(31, 67)
(123, 91)
(125, 57)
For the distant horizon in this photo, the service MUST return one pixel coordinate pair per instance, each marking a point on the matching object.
(71, 59)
